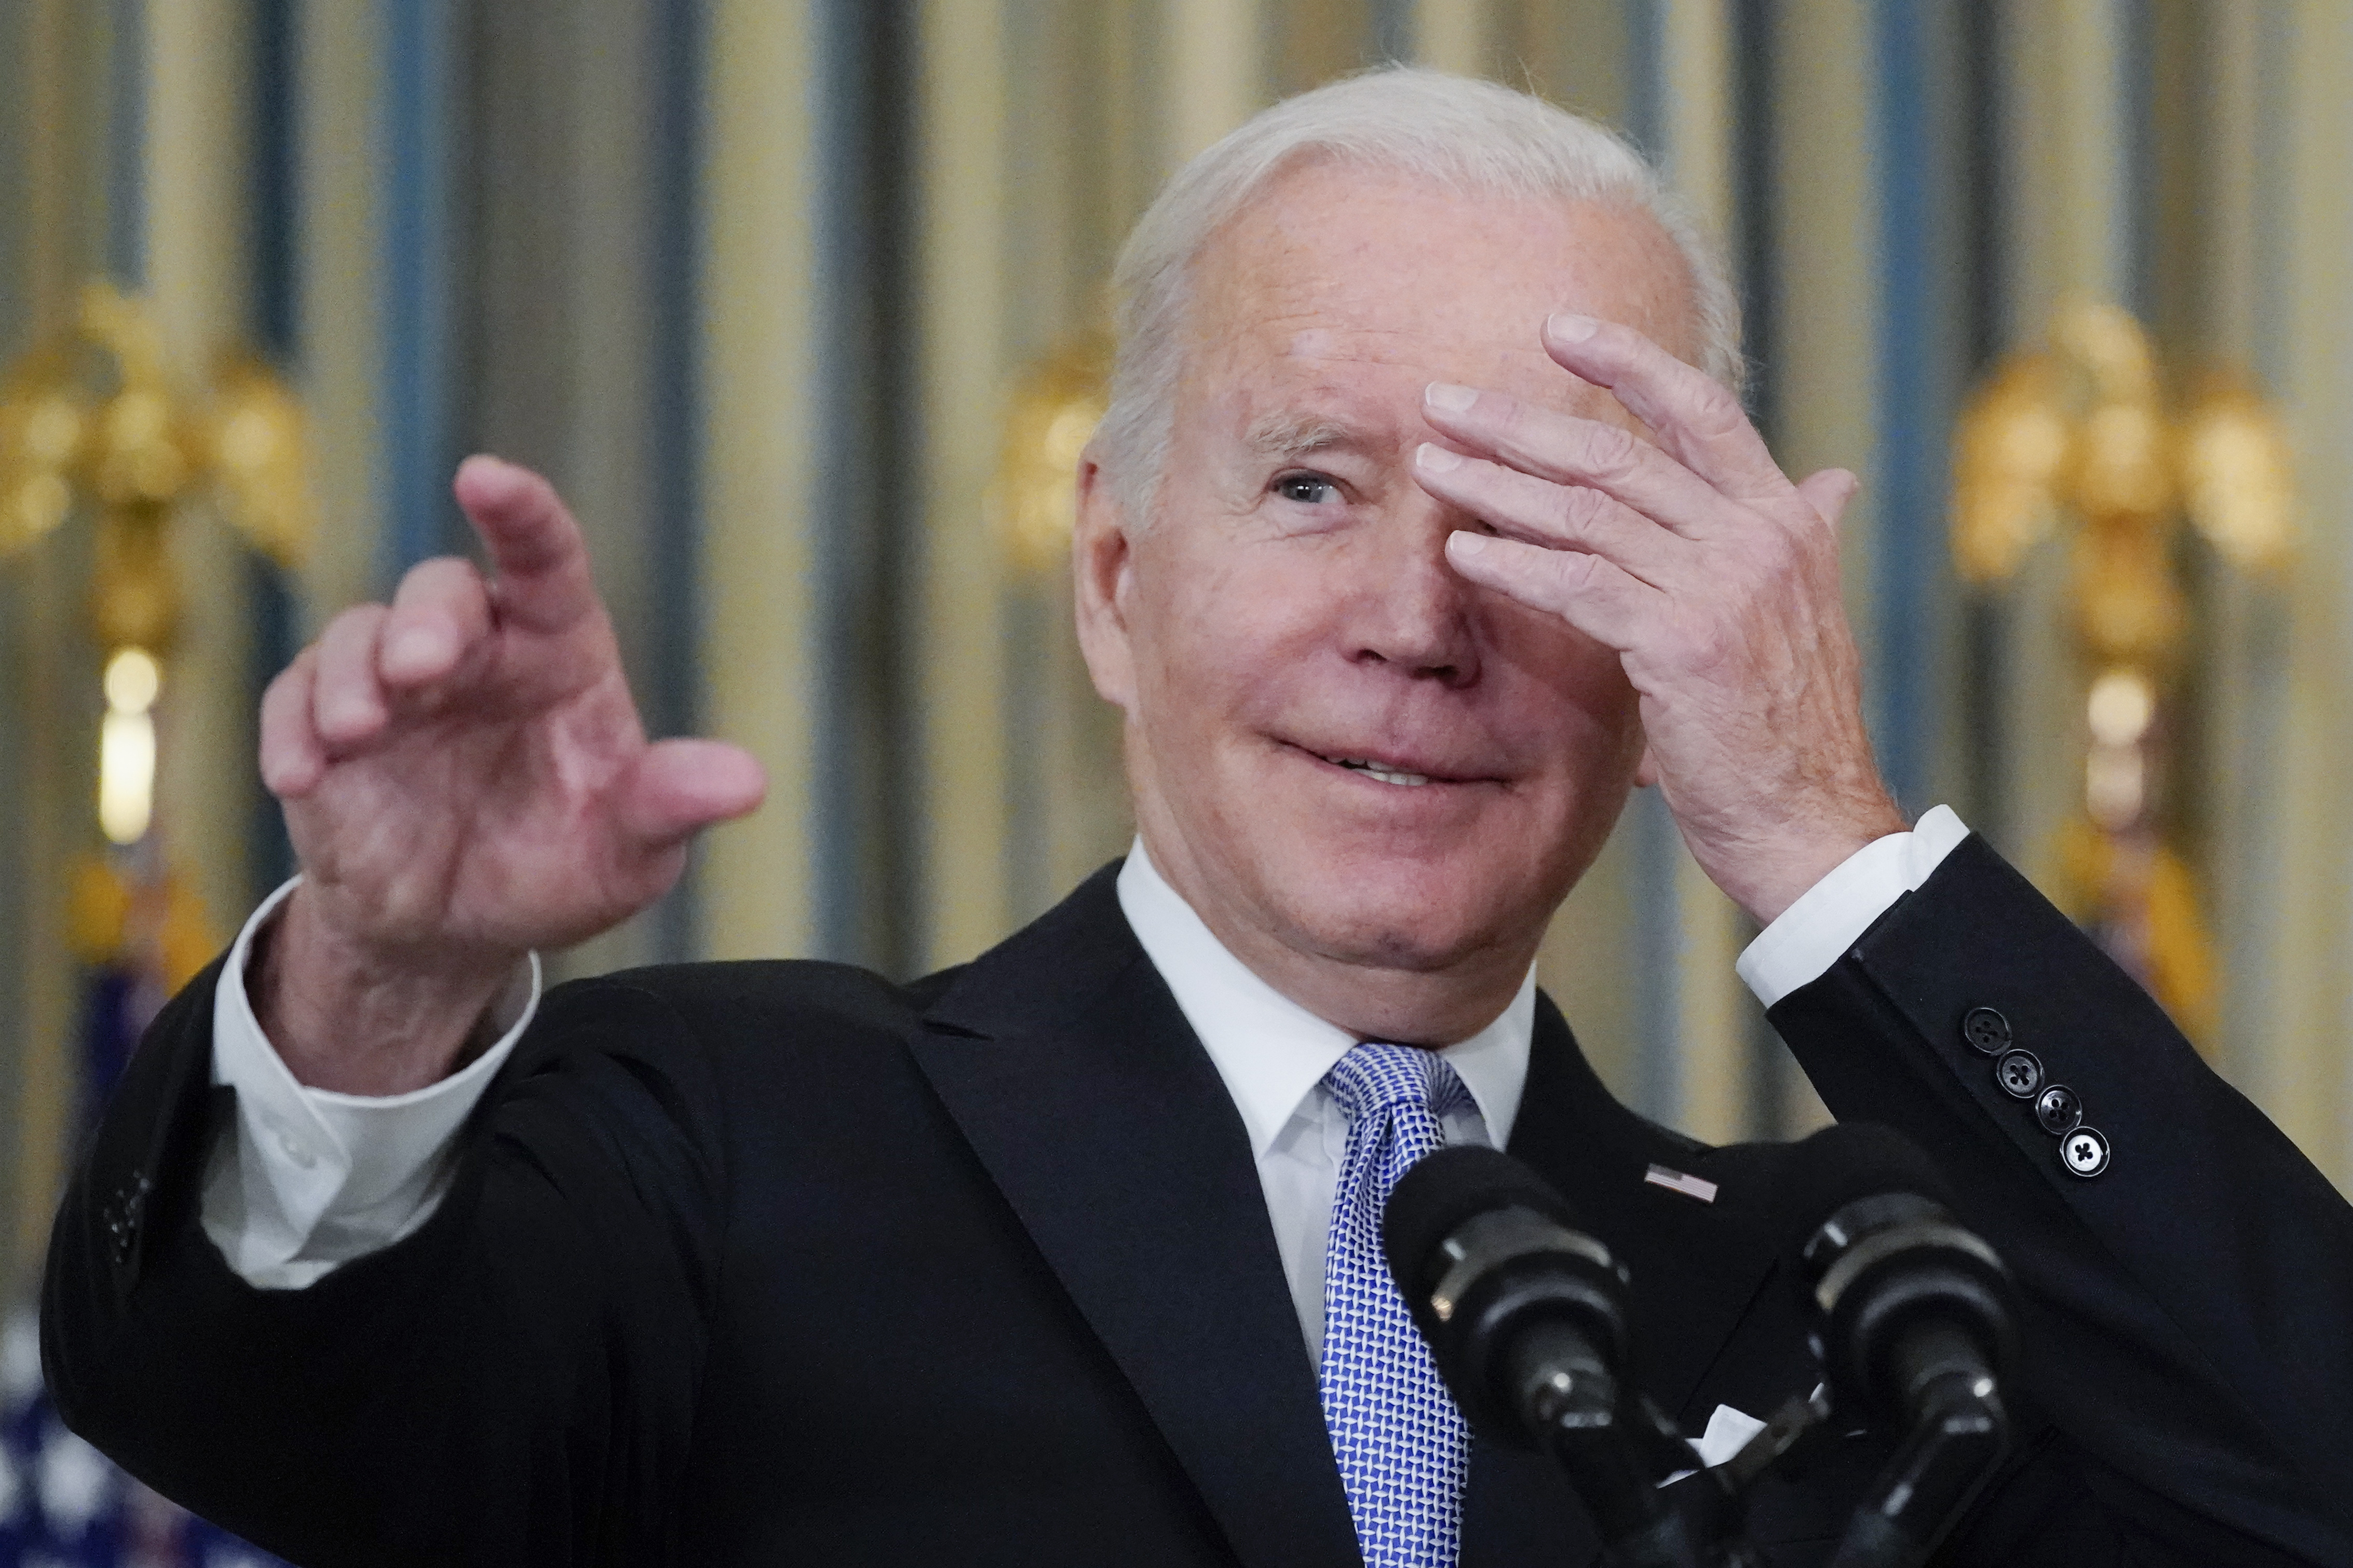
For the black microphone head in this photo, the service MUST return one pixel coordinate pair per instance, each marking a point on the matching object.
(1874, 1247)
(1485, 1254)
(1847, 1162)
(1445, 1188)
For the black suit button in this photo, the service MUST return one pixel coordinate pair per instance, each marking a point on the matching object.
(1987, 1031)
(121, 1235)
(2085, 1152)
(2019, 1073)
(2059, 1109)
(120, 1218)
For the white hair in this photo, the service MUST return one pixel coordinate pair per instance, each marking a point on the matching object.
(1462, 134)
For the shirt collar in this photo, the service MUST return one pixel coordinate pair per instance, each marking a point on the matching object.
(1270, 1051)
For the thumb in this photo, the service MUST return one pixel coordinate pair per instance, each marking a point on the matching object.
(675, 788)
(1829, 492)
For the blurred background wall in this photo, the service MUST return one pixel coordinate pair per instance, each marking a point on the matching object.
(760, 284)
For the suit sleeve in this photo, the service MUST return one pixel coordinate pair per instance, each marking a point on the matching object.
(512, 1383)
(2189, 1307)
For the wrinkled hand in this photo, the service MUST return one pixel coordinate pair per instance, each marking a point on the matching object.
(1714, 578)
(465, 779)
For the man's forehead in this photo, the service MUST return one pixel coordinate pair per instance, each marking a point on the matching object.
(1300, 387)
(1333, 270)
(1514, 363)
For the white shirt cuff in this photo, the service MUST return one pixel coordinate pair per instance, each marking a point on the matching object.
(309, 1178)
(1812, 933)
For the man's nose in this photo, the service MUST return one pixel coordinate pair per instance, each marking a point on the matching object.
(1416, 614)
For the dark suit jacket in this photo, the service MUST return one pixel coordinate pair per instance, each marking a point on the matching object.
(782, 1263)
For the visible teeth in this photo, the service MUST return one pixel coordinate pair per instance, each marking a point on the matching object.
(1386, 775)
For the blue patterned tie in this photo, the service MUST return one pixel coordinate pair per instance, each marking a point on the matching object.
(1401, 1444)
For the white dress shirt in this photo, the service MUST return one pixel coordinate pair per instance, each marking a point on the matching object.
(312, 1178)
(1272, 1054)
(309, 1179)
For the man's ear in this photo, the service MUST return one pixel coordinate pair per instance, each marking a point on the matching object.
(1103, 567)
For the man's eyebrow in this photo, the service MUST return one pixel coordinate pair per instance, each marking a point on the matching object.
(1294, 434)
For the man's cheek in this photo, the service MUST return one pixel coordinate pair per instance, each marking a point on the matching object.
(1570, 668)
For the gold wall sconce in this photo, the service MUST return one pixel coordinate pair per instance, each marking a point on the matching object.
(2074, 436)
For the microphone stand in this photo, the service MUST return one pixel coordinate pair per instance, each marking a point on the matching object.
(1960, 1435)
(1950, 1452)
(1614, 1449)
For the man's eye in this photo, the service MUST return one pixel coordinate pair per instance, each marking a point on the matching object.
(1308, 490)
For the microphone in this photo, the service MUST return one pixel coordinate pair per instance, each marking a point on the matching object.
(1918, 1323)
(1525, 1316)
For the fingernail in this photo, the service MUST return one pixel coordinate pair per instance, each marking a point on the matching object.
(1466, 545)
(1446, 395)
(1436, 459)
(1564, 328)
(351, 716)
(416, 646)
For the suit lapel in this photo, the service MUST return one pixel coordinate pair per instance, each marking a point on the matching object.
(1070, 1070)
(1696, 1265)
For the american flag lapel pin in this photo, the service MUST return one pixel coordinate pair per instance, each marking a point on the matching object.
(1680, 1182)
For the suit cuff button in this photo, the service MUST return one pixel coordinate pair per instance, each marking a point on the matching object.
(2059, 1110)
(2085, 1152)
(2019, 1074)
(1986, 1030)
(120, 1217)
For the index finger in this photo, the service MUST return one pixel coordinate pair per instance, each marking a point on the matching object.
(542, 560)
(1692, 415)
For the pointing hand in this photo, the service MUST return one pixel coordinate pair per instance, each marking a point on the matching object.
(465, 779)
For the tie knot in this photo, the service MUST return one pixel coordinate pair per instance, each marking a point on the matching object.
(1377, 1075)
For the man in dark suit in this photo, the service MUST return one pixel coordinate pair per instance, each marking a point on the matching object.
(1057, 1256)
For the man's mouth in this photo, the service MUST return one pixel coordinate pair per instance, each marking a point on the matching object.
(1375, 770)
